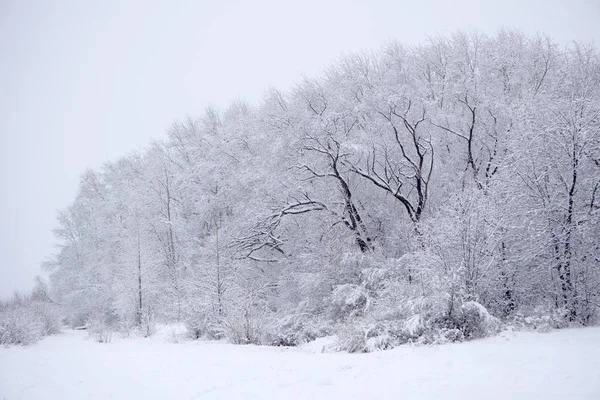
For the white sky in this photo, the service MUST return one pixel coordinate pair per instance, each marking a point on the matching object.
(83, 82)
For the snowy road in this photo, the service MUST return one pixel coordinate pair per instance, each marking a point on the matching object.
(557, 365)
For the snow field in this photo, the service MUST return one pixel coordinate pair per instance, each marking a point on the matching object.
(524, 365)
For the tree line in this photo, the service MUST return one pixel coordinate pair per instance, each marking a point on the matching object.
(386, 197)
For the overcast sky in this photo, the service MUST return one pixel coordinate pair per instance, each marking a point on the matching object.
(83, 82)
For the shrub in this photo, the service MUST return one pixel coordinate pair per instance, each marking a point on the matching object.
(202, 325)
(364, 337)
(349, 300)
(352, 339)
(19, 325)
(98, 326)
(24, 322)
(476, 322)
(294, 330)
(245, 326)
(541, 319)
(50, 318)
(471, 322)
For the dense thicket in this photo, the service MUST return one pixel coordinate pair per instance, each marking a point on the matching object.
(24, 319)
(402, 192)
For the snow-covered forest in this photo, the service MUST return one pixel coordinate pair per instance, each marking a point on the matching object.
(429, 193)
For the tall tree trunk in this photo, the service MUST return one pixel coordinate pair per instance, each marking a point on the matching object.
(139, 270)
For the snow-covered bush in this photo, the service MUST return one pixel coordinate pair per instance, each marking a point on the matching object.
(472, 320)
(240, 326)
(351, 338)
(99, 327)
(367, 337)
(203, 325)
(542, 319)
(414, 326)
(294, 330)
(476, 321)
(19, 325)
(442, 336)
(349, 300)
(25, 321)
(126, 326)
(246, 324)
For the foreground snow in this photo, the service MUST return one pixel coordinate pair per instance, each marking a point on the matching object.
(558, 365)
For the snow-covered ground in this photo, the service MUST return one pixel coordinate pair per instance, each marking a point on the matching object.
(558, 365)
